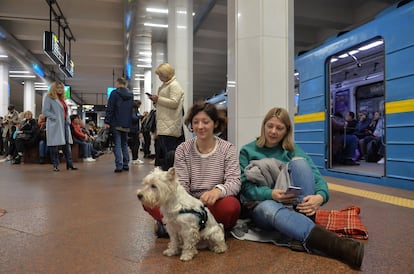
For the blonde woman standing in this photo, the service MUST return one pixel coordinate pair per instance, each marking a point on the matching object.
(57, 125)
(169, 119)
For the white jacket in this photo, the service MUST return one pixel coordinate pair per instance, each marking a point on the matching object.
(169, 109)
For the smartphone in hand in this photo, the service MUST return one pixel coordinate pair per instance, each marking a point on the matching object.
(294, 190)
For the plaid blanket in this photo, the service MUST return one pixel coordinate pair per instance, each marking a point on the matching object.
(345, 222)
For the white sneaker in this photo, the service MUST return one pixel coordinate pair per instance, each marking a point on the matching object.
(7, 159)
(140, 161)
(89, 159)
(134, 162)
(381, 162)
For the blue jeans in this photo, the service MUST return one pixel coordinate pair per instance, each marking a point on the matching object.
(86, 147)
(121, 149)
(43, 149)
(351, 142)
(272, 215)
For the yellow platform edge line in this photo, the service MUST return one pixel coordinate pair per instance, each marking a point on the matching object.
(394, 200)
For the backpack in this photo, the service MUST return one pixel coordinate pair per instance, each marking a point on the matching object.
(372, 151)
(149, 123)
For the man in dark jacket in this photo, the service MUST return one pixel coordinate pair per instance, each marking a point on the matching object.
(118, 119)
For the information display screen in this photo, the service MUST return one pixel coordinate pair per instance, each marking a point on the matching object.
(53, 48)
(69, 68)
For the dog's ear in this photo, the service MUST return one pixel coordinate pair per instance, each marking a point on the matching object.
(171, 173)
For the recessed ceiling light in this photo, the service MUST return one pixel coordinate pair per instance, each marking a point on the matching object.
(155, 10)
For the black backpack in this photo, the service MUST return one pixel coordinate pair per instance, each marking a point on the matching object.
(149, 123)
(372, 151)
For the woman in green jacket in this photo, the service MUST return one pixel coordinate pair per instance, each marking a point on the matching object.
(268, 204)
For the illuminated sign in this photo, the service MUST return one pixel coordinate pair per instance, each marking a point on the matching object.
(69, 67)
(67, 92)
(53, 48)
(109, 91)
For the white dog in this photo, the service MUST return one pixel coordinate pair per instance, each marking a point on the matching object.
(187, 220)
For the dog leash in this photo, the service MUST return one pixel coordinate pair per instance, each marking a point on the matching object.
(203, 217)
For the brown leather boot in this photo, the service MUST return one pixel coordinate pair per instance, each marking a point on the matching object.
(347, 250)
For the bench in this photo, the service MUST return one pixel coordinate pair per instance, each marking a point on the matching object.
(31, 155)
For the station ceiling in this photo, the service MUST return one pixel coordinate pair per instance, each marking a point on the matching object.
(98, 48)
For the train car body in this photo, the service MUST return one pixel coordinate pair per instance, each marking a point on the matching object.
(387, 85)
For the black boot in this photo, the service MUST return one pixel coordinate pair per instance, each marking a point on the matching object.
(17, 160)
(347, 250)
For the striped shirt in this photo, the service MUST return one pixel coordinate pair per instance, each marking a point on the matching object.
(199, 173)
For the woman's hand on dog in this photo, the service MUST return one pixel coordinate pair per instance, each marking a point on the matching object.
(210, 197)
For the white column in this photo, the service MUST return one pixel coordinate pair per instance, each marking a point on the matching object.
(180, 45)
(29, 97)
(4, 88)
(146, 103)
(260, 63)
(159, 56)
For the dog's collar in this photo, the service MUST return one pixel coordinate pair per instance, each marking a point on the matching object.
(203, 217)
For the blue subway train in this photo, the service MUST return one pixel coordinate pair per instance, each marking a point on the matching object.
(365, 71)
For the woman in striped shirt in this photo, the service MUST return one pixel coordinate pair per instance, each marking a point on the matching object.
(208, 166)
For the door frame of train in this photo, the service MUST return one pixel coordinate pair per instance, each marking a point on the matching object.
(363, 78)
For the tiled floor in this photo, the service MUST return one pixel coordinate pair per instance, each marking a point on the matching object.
(90, 221)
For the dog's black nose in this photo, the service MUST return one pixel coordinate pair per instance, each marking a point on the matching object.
(139, 196)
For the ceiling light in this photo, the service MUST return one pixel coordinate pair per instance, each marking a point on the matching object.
(22, 76)
(3, 56)
(372, 45)
(155, 10)
(156, 25)
(19, 71)
(148, 60)
(145, 53)
(144, 66)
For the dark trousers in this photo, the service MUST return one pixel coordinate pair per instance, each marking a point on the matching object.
(133, 143)
(66, 151)
(165, 148)
(147, 143)
(22, 145)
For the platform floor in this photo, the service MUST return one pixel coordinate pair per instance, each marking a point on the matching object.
(90, 221)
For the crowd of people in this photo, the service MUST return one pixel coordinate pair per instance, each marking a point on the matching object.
(354, 140)
(231, 184)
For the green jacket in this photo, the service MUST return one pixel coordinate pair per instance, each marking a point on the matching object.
(252, 192)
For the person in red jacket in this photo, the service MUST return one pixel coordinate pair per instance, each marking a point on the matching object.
(81, 138)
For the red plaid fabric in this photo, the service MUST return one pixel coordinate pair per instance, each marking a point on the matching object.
(345, 222)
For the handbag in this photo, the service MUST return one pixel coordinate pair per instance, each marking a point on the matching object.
(23, 136)
(345, 222)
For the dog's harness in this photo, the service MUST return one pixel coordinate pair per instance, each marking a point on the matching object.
(203, 217)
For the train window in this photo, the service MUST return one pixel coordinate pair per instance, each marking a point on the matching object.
(356, 93)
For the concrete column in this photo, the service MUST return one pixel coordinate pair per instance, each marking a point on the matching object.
(29, 97)
(4, 88)
(180, 45)
(146, 103)
(159, 56)
(260, 63)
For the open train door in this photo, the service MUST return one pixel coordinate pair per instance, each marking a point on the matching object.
(356, 88)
